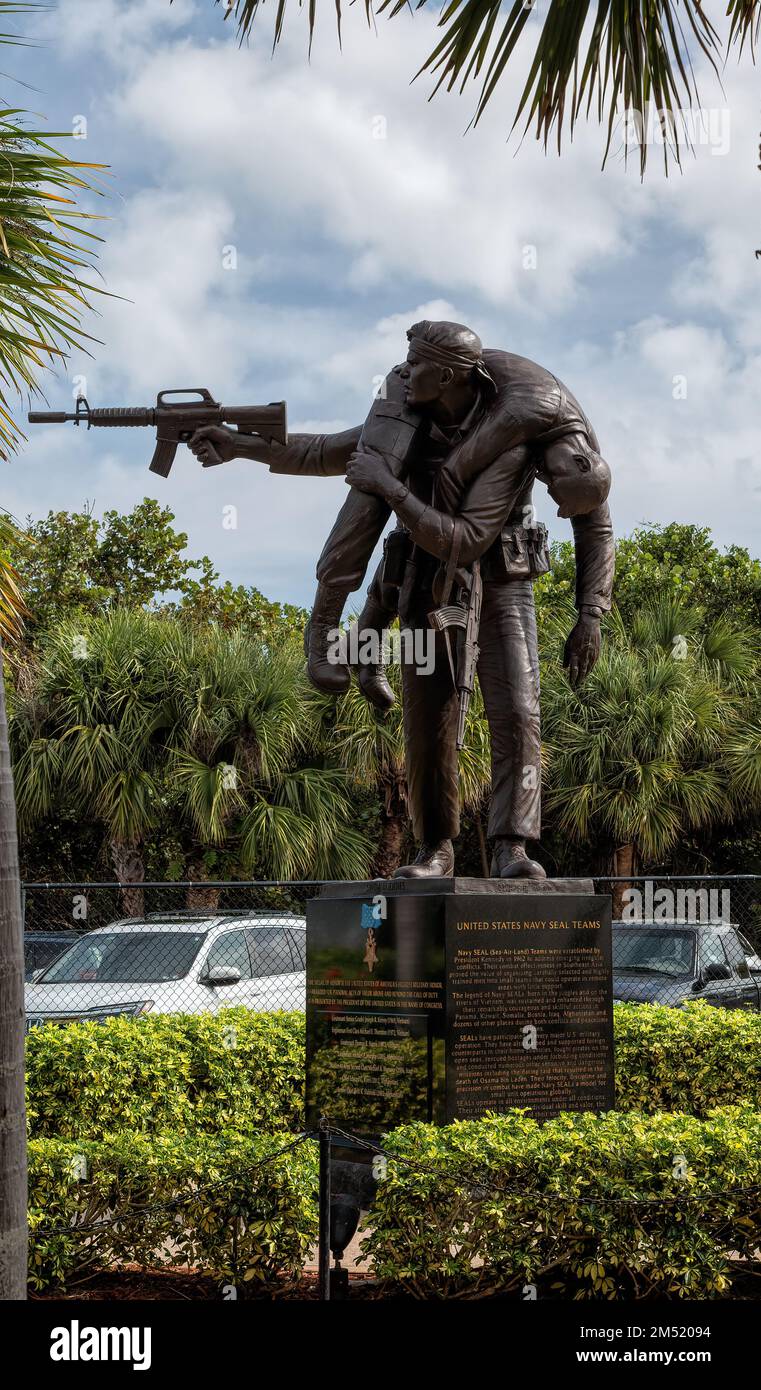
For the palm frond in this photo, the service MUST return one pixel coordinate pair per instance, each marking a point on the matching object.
(745, 23)
(210, 796)
(732, 651)
(656, 743)
(47, 259)
(637, 58)
(37, 776)
(742, 765)
(276, 839)
(127, 804)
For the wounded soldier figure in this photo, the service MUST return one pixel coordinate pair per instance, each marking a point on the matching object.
(453, 445)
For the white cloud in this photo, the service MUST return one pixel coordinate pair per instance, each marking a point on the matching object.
(297, 143)
(118, 30)
(336, 232)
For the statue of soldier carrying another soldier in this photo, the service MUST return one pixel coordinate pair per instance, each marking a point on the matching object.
(453, 445)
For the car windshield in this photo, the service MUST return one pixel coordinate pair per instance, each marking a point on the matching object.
(39, 953)
(126, 957)
(657, 951)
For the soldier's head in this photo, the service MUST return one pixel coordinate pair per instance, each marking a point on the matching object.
(577, 477)
(444, 365)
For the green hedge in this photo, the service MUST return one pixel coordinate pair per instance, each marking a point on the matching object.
(500, 1204)
(157, 1108)
(692, 1059)
(209, 1202)
(244, 1070)
(195, 1073)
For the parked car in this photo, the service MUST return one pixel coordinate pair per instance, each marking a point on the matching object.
(184, 962)
(41, 948)
(671, 962)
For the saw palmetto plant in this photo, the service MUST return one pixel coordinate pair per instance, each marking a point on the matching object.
(598, 57)
(661, 740)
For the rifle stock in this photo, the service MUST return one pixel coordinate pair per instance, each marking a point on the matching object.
(465, 618)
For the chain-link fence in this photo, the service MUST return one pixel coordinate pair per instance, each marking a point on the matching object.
(678, 939)
(93, 951)
(98, 949)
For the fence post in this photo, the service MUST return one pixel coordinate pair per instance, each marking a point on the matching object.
(324, 1210)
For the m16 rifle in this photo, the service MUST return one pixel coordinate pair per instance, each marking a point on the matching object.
(465, 617)
(177, 421)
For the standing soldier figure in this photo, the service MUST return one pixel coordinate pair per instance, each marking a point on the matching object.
(453, 448)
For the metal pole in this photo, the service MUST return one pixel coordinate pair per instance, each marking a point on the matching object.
(324, 1206)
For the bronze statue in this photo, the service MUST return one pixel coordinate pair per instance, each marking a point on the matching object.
(453, 446)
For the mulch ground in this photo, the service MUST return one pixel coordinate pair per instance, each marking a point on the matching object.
(131, 1283)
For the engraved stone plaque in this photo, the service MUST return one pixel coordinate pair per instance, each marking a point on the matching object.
(443, 1005)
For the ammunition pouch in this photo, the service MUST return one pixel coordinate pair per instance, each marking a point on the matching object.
(519, 552)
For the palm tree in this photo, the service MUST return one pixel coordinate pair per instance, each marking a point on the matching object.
(13, 1233)
(45, 251)
(658, 741)
(636, 55)
(242, 756)
(88, 727)
(132, 719)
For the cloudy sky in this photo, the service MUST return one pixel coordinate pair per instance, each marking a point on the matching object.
(276, 224)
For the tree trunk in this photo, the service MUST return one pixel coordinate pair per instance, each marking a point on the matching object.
(392, 789)
(197, 896)
(129, 868)
(389, 854)
(482, 846)
(13, 1236)
(623, 866)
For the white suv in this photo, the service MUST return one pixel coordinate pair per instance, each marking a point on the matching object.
(181, 962)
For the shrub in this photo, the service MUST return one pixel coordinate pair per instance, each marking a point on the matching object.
(191, 1072)
(245, 1070)
(158, 1107)
(574, 1207)
(691, 1059)
(209, 1202)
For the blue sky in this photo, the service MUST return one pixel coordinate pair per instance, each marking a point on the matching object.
(353, 206)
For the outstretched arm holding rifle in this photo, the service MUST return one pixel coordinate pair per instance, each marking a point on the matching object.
(177, 422)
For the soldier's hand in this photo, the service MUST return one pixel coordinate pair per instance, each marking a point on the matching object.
(368, 471)
(214, 444)
(582, 649)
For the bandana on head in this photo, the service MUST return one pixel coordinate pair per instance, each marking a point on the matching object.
(446, 357)
(460, 355)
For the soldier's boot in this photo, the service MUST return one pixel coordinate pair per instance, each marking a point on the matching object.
(433, 861)
(510, 860)
(334, 677)
(371, 675)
